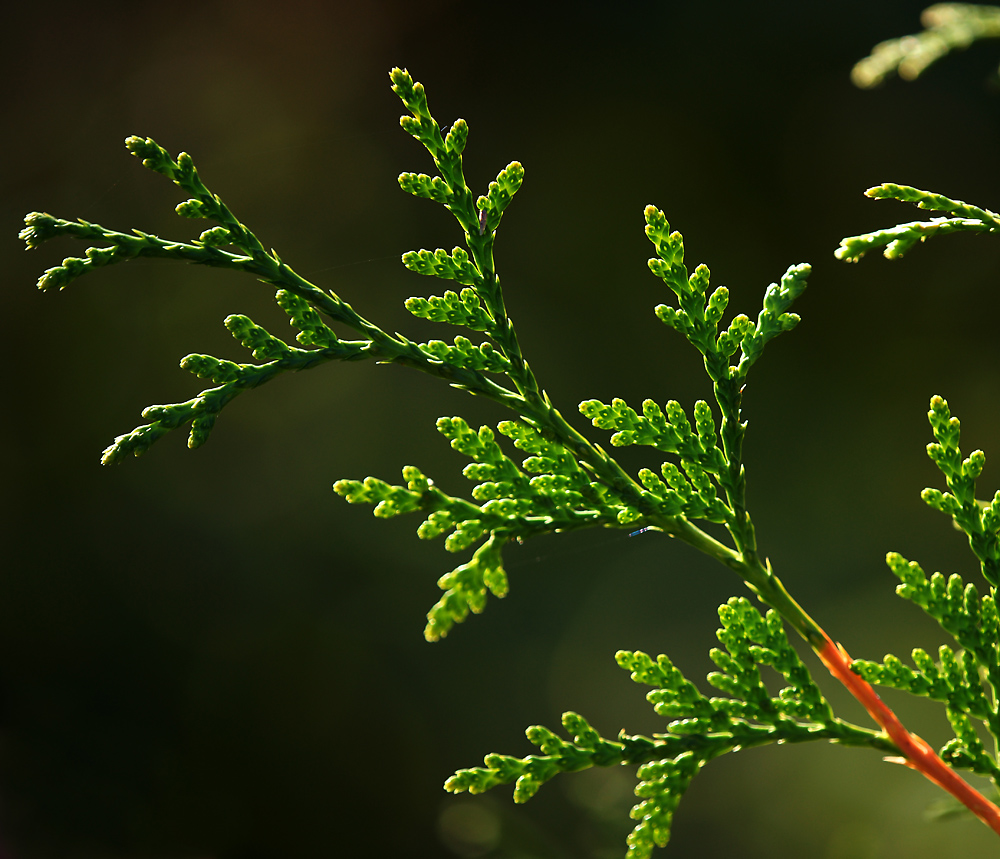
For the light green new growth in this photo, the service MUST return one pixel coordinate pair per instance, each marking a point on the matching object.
(899, 239)
(553, 478)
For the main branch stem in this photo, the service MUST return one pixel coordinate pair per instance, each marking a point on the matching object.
(916, 751)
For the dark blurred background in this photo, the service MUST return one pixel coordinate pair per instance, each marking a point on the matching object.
(208, 655)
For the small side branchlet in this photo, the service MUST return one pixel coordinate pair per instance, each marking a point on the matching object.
(948, 27)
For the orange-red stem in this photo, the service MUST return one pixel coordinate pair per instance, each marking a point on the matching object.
(917, 752)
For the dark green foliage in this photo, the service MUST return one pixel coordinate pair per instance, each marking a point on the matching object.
(232, 379)
(566, 481)
(574, 484)
(966, 681)
(563, 482)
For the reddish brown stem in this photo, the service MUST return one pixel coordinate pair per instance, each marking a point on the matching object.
(917, 752)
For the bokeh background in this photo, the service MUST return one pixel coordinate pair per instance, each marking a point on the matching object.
(208, 655)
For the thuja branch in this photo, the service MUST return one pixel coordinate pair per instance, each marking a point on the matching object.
(567, 481)
(267, 267)
(697, 320)
(527, 400)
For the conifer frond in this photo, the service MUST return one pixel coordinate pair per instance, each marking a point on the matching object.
(953, 680)
(980, 521)
(201, 411)
(465, 589)
(461, 364)
(467, 355)
(699, 728)
(957, 607)
(40, 227)
(564, 480)
(232, 379)
(948, 27)
(668, 429)
(548, 492)
(454, 266)
(698, 314)
(966, 681)
(706, 463)
(932, 202)
(899, 239)
(464, 309)
(974, 624)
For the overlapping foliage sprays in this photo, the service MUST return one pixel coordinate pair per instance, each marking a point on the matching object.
(536, 473)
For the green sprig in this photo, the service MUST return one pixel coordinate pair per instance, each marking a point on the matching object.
(465, 589)
(957, 679)
(901, 238)
(510, 504)
(699, 728)
(564, 480)
(967, 682)
(462, 365)
(231, 380)
(979, 521)
(456, 309)
(40, 227)
(948, 27)
(454, 266)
